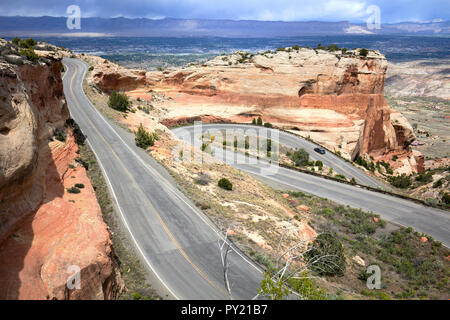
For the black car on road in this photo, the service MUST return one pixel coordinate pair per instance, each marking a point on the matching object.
(319, 150)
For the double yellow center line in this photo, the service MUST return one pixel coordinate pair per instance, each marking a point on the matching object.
(152, 208)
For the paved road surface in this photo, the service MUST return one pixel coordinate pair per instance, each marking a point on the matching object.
(178, 244)
(428, 220)
(329, 159)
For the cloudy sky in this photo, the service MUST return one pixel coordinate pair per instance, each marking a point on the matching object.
(287, 10)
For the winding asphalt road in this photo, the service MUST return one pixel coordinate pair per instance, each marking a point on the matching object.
(425, 219)
(175, 239)
(329, 159)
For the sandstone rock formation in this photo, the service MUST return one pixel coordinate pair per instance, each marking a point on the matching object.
(335, 98)
(43, 229)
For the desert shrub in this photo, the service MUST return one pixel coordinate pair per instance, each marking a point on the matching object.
(253, 121)
(395, 158)
(333, 47)
(425, 177)
(73, 190)
(118, 101)
(79, 186)
(225, 184)
(29, 54)
(79, 136)
(91, 68)
(403, 181)
(27, 43)
(363, 52)
(300, 157)
(446, 198)
(60, 135)
(306, 287)
(143, 138)
(438, 183)
(353, 181)
(15, 40)
(259, 122)
(326, 255)
(269, 145)
(268, 125)
(247, 143)
(296, 47)
(319, 164)
(321, 47)
(203, 179)
(344, 50)
(368, 165)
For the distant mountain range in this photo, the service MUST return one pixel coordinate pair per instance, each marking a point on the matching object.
(169, 27)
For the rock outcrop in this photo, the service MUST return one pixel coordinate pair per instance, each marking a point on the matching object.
(335, 98)
(43, 228)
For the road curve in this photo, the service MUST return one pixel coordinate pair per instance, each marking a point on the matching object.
(329, 159)
(431, 221)
(176, 241)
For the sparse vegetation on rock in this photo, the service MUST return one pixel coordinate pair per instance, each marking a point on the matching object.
(119, 102)
(143, 138)
(225, 184)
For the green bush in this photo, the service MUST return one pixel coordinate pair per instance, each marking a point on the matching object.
(333, 47)
(73, 190)
(446, 198)
(438, 183)
(401, 182)
(91, 68)
(118, 101)
(326, 255)
(300, 157)
(254, 121)
(224, 183)
(363, 52)
(79, 186)
(259, 122)
(15, 40)
(306, 287)
(60, 135)
(27, 43)
(268, 125)
(269, 145)
(319, 164)
(143, 138)
(29, 54)
(425, 177)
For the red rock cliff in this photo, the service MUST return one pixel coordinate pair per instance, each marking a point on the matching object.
(334, 98)
(43, 228)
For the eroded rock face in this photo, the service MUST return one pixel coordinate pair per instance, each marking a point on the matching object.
(43, 229)
(334, 98)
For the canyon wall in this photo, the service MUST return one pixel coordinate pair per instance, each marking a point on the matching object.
(44, 230)
(335, 98)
